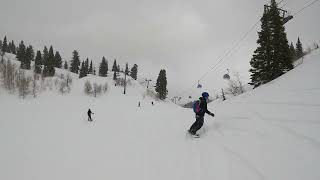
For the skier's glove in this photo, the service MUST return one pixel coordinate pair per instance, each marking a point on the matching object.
(212, 114)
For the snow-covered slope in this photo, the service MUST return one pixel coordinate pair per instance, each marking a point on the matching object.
(269, 133)
(273, 131)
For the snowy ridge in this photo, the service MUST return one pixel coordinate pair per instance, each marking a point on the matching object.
(271, 133)
(134, 88)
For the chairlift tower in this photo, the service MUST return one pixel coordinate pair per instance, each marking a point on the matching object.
(148, 81)
(283, 13)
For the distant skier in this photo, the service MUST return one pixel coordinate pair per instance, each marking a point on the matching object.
(152, 103)
(200, 108)
(139, 104)
(89, 115)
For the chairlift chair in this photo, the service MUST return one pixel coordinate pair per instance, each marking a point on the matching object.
(226, 76)
(199, 85)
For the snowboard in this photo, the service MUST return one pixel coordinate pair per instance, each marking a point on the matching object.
(193, 135)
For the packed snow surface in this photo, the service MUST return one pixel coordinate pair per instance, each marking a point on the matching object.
(270, 133)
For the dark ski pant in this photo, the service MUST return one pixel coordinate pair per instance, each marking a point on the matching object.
(197, 125)
(89, 118)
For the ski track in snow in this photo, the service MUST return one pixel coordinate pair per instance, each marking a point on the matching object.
(237, 157)
(302, 137)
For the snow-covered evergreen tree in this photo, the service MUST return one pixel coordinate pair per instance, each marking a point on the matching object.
(299, 49)
(115, 75)
(37, 63)
(272, 58)
(29, 56)
(86, 66)
(262, 55)
(293, 52)
(83, 71)
(103, 68)
(134, 72)
(281, 57)
(21, 55)
(48, 69)
(90, 68)
(57, 60)
(75, 62)
(115, 67)
(12, 48)
(66, 65)
(45, 55)
(161, 85)
(4, 47)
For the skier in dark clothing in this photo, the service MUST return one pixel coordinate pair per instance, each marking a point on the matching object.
(200, 115)
(89, 115)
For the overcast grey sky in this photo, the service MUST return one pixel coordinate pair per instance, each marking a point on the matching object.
(183, 37)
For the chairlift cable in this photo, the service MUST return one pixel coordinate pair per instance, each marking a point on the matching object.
(284, 5)
(242, 38)
(231, 49)
(280, 2)
(302, 9)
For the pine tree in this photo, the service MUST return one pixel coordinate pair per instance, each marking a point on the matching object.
(134, 72)
(293, 52)
(260, 61)
(29, 56)
(48, 69)
(106, 67)
(21, 55)
(13, 48)
(272, 58)
(37, 63)
(90, 68)
(299, 49)
(45, 55)
(57, 60)
(115, 67)
(103, 68)
(75, 62)
(115, 75)
(83, 71)
(87, 66)
(10, 48)
(5, 45)
(32, 52)
(66, 65)
(127, 69)
(161, 85)
(281, 51)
